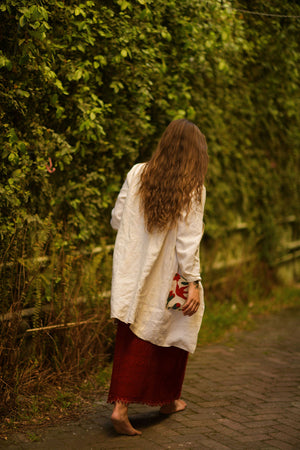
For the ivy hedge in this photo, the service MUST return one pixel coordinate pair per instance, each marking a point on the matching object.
(86, 89)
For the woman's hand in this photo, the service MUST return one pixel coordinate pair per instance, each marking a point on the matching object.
(193, 300)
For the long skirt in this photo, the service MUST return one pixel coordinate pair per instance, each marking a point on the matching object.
(144, 372)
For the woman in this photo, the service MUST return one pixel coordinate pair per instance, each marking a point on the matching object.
(159, 218)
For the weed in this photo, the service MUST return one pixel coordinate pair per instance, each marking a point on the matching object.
(33, 437)
(57, 329)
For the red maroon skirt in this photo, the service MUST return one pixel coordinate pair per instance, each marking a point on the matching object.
(144, 372)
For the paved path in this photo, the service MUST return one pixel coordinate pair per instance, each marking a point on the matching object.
(242, 393)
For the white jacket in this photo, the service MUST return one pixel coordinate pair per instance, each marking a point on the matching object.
(144, 265)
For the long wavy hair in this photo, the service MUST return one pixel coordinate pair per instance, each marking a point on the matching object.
(174, 175)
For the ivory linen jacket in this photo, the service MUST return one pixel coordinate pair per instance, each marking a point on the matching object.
(144, 265)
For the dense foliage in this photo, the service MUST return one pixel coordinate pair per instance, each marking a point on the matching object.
(92, 85)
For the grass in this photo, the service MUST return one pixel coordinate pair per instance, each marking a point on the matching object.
(54, 405)
(33, 437)
(222, 318)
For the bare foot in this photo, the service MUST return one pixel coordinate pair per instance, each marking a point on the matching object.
(121, 422)
(170, 408)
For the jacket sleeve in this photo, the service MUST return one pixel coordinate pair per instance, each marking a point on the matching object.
(117, 212)
(189, 233)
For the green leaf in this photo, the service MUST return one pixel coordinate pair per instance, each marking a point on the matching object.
(5, 62)
(124, 4)
(22, 21)
(22, 93)
(13, 158)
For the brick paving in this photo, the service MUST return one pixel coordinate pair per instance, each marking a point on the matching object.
(242, 393)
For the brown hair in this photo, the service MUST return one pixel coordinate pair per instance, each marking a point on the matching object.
(176, 171)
